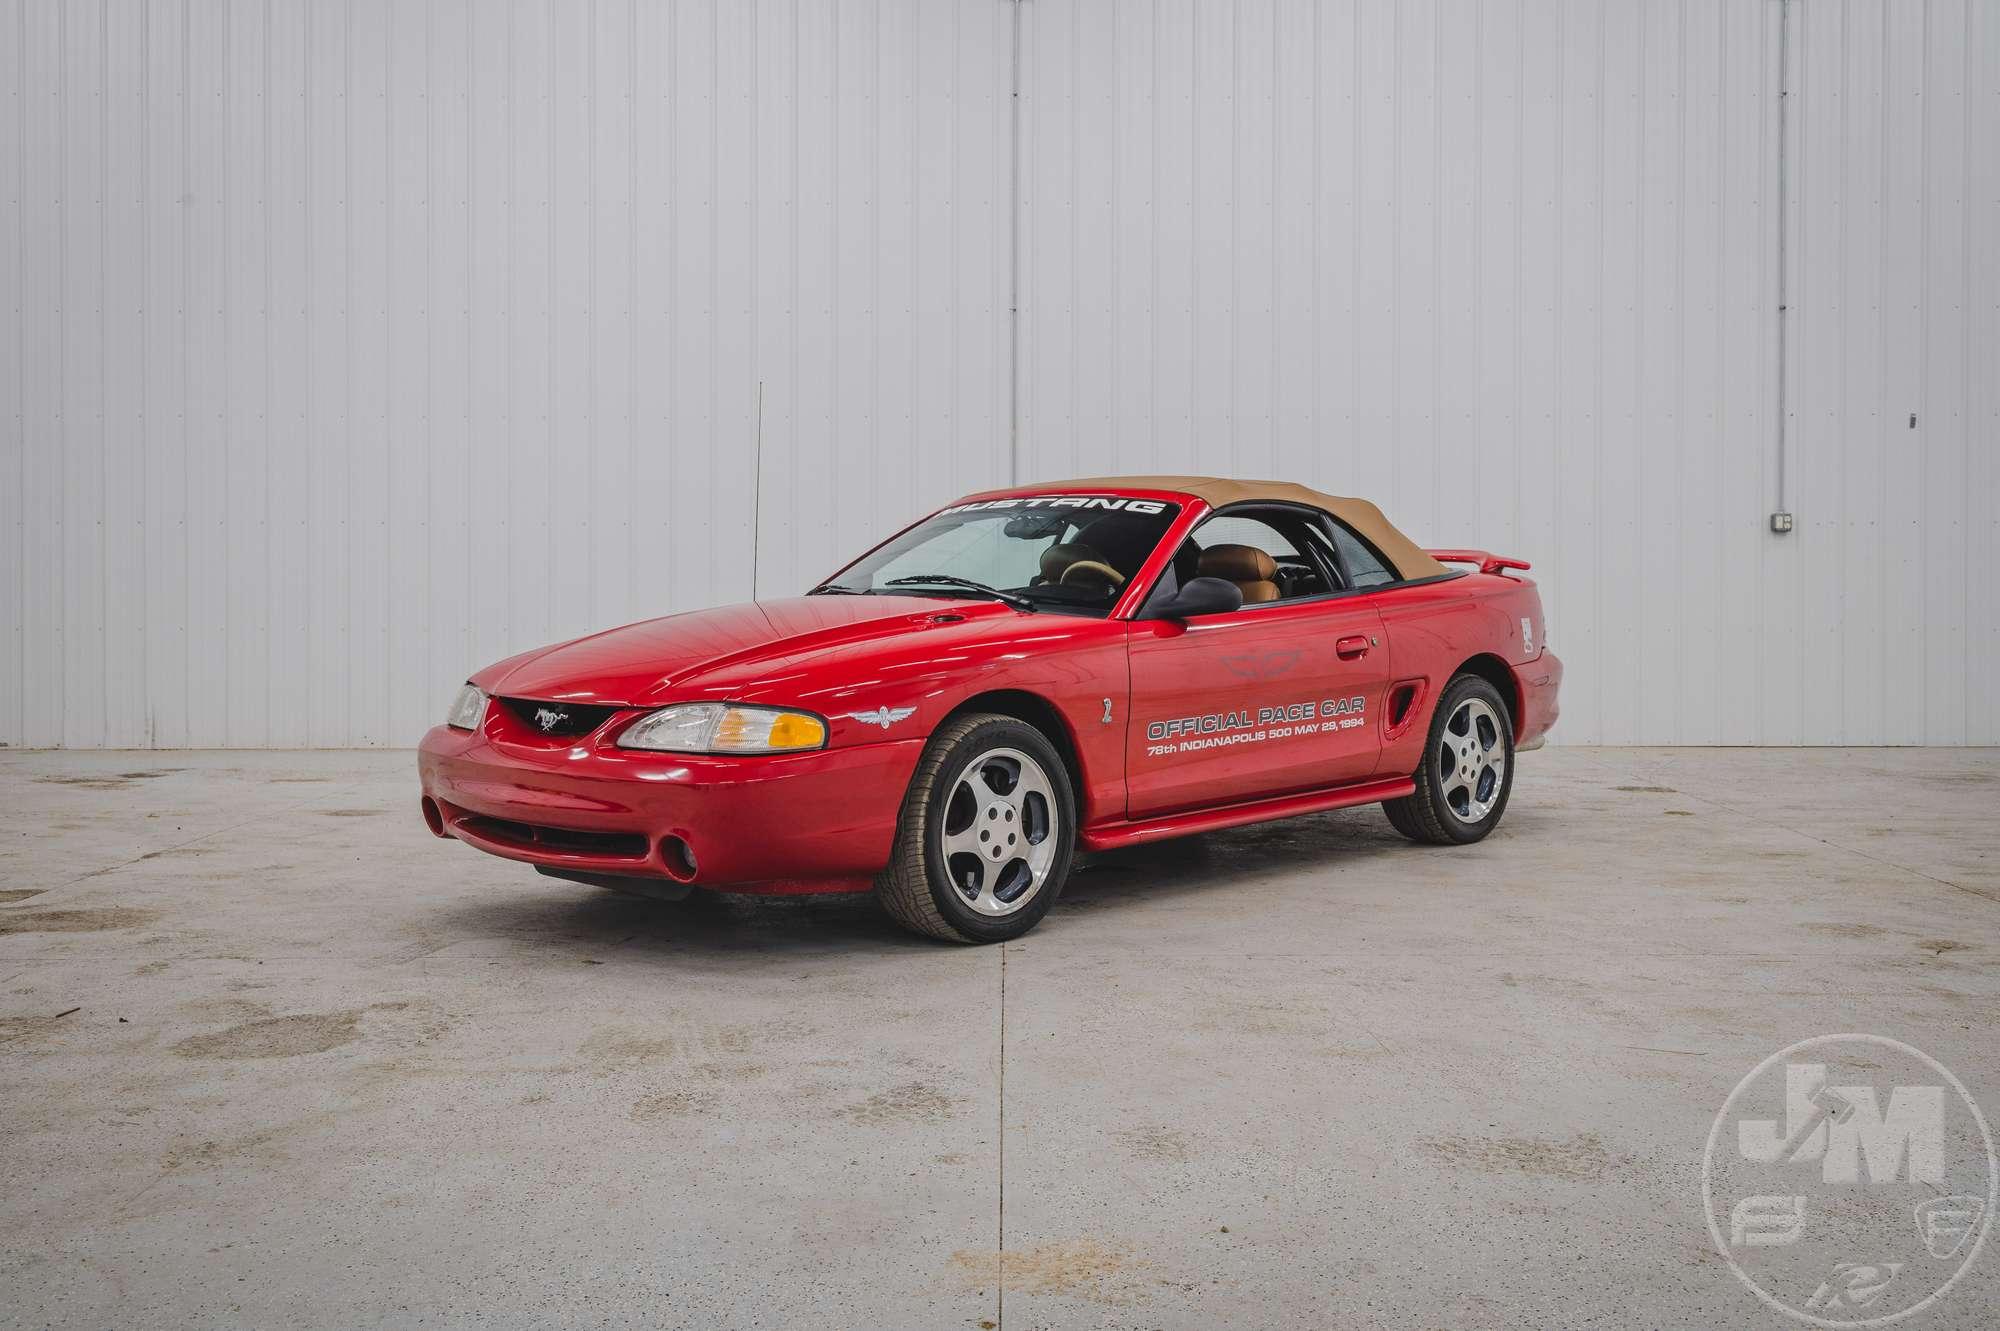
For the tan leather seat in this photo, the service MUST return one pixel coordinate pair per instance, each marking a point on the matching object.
(1254, 572)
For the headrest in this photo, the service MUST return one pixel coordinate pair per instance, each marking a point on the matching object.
(1237, 563)
(1059, 557)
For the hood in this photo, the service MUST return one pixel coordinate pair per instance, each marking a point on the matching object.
(636, 665)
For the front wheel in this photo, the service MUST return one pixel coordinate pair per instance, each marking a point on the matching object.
(1468, 768)
(986, 834)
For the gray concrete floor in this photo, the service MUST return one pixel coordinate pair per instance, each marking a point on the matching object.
(326, 1071)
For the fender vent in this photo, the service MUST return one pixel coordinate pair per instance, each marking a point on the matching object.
(1401, 699)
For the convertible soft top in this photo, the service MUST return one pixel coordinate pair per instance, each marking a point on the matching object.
(1362, 516)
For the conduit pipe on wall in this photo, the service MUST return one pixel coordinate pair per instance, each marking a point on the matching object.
(1014, 258)
(1781, 514)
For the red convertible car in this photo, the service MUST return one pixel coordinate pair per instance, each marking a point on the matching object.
(1019, 676)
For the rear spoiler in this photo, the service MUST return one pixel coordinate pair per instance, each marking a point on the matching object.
(1488, 561)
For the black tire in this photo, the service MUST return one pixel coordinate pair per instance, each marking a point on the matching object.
(1437, 812)
(1401, 819)
(917, 888)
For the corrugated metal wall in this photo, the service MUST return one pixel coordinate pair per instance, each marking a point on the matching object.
(351, 344)
(360, 343)
(1510, 270)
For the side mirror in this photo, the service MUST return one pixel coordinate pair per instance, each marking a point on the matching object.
(1199, 596)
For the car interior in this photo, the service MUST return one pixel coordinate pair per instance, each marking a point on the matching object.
(1274, 554)
(1253, 570)
(1105, 552)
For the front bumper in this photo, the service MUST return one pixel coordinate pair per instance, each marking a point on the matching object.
(823, 821)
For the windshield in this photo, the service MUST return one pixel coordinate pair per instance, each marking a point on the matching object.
(1053, 552)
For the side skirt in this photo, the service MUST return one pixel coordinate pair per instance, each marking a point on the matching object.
(1110, 836)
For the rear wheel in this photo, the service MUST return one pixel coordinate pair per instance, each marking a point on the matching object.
(986, 834)
(1468, 768)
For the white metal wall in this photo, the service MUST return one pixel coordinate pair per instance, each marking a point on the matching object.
(351, 343)
(357, 343)
(1509, 269)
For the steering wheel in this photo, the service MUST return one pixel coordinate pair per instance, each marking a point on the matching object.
(1095, 568)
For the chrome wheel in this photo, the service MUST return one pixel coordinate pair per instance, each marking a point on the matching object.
(1472, 760)
(998, 836)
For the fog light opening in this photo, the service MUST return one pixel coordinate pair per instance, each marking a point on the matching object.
(678, 856)
(433, 817)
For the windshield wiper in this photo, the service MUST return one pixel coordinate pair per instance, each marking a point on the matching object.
(1013, 599)
(835, 589)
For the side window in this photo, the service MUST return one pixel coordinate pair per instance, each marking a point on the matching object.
(1363, 565)
(1231, 529)
(1264, 554)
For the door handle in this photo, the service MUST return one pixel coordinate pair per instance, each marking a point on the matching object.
(1352, 649)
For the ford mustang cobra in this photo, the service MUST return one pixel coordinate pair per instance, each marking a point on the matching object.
(1019, 676)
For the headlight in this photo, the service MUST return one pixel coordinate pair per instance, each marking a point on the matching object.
(715, 727)
(467, 709)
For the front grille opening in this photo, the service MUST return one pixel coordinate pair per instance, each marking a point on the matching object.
(557, 720)
(534, 836)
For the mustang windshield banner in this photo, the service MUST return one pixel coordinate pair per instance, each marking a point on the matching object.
(1089, 503)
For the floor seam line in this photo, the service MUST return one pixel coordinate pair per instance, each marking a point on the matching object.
(1000, 1252)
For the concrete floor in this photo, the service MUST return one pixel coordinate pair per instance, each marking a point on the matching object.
(326, 1071)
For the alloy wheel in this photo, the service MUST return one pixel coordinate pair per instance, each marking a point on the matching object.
(998, 836)
(1472, 760)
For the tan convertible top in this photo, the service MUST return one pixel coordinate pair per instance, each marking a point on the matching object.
(1362, 516)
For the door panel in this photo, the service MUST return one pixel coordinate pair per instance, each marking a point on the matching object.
(1268, 700)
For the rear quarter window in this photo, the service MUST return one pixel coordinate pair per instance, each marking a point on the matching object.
(1364, 567)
